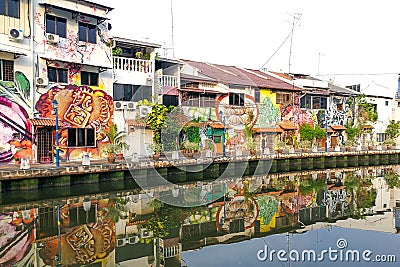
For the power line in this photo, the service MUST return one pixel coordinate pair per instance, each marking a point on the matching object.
(360, 74)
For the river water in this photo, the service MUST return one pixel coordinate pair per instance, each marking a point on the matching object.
(337, 217)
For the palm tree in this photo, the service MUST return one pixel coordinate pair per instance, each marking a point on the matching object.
(115, 138)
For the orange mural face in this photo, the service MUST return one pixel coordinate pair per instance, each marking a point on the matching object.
(78, 107)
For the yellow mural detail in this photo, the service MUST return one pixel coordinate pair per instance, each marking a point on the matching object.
(266, 228)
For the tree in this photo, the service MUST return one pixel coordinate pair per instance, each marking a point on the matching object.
(393, 130)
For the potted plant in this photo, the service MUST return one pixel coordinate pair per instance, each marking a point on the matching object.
(304, 145)
(251, 145)
(209, 148)
(281, 145)
(156, 149)
(389, 143)
(190, 148)
(348, 144)
(115, 139)
(120, 147)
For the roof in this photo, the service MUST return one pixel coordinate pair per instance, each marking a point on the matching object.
(368, 127)
(223, 74)
(287, 125)
(45, 122)
(131, 43)
(268, 130)
(338, 127)
(264, 80)
(12, 51)
(189, 77)
(283, 75)
(98, 4)
(342, 90)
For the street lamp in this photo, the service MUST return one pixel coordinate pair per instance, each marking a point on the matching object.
(58, 257)
(222, 116)
(54, 104)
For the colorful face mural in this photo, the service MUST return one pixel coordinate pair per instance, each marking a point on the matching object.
(78, 107)
(17, 232)
(15, 129)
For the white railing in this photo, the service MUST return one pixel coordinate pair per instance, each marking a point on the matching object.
(168, 80)
(171, 252)
(133, 64)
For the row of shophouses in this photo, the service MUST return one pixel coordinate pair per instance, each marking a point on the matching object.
(62, 50)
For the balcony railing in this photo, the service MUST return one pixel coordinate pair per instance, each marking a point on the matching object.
(171, 252)
(168, 80)
(133, 64)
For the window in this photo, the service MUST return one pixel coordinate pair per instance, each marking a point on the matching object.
(87, 33)
(380, 137)
(130, 92)
(78, 216)
(9, 8)
(6, 70)
(236, 99)
(282, 98)
(199, 100)
(89, 78)
(170, 100)
(313, 102)
(189, 85)
(257, 98)
(56, 25)
(81, 137)
(339, 106)
(57, 75)
(207, 100)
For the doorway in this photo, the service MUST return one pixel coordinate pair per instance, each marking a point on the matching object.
(45, 145)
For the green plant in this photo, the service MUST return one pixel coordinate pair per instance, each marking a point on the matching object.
(393, 130)
(190, 146)
(147, 56)
(349, 142)
(115, 138)
(138, 55)
(319, 133)
(305, 144)
(353, 132)
(392, 179)
(281, 144)
(117, 51)
(307, 132)
(155, 147)
(389, 141)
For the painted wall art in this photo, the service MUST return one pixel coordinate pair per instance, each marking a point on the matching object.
(78, 107)
(16, 138)
(17, 233)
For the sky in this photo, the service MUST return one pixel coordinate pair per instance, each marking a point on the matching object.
(331, 37)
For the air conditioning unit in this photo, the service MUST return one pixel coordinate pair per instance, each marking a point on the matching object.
(131, 105)
(144, 233)
(121, 242)
(15, 34)
(42, 81)
(52, 38)
(119, 105)
(133, 240)
(144, 111)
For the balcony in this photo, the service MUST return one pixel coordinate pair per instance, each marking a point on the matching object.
(168, 80)
(133, 65)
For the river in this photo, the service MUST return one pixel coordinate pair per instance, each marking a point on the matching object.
(332, 217)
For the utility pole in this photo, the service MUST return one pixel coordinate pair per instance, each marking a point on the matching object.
(296, 17)
(172, 31)
(319, 60)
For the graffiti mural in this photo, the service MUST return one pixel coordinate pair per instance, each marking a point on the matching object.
(338, 111)
(269, 114)
(78, 107)
(70, 48)
(17, 233)
(268, 207)
(15, 129)
(204, 114)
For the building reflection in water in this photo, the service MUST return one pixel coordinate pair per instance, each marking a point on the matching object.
(132, 228)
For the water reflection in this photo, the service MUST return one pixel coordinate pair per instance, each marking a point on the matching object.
(131, 228)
